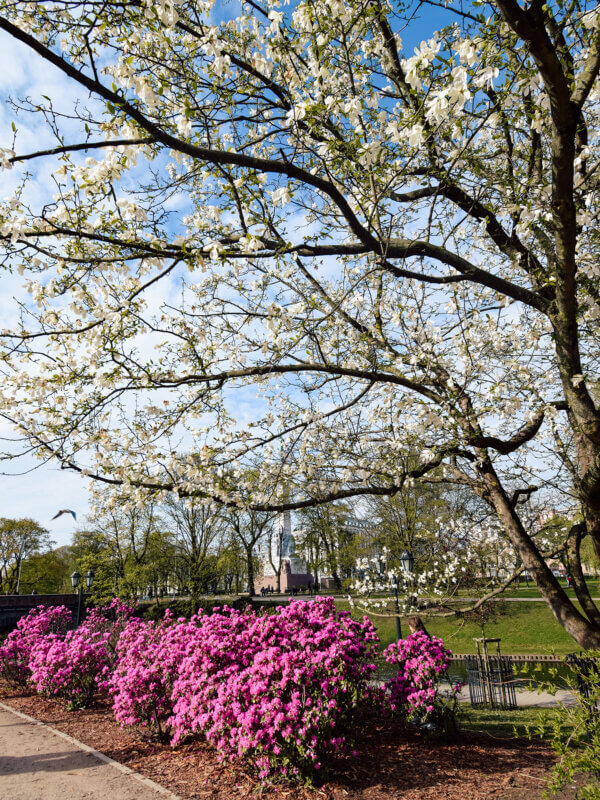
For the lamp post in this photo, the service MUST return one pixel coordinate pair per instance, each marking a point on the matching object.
(75, 583)
(407, 563)
(397, 610)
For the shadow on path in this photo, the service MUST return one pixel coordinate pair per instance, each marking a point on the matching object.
(66, 761)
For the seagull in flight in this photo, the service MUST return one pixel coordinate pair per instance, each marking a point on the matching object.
(65, 511)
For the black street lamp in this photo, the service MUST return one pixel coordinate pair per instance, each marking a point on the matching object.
(75, 583)
(397, 610)
(407, 563)
(407, 560)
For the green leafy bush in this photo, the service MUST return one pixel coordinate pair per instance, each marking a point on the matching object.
(575, 731)
(183, 608)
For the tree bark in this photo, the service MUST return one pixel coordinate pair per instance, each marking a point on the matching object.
(586, 634)
(574, 567)
(250, 568)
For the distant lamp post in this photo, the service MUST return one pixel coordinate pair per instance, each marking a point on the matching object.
(76, 584)
(397, 610)
(407, 563)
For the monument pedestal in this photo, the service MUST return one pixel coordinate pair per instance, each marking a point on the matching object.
(289, 580)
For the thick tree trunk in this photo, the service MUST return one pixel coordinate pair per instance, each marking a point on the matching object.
(591, 515)
(250, 567)
(574, 565)
(585, 633)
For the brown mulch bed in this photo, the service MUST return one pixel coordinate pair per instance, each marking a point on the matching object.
(392, 763)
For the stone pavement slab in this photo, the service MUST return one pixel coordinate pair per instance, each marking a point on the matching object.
(39, 763)
(527, 698)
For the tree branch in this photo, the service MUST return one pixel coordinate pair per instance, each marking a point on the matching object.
(588, 74)
(71, 148)
(404, 248)
(203, 153)
(159, 488)
(504, 447)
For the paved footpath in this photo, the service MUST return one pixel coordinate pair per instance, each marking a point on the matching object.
(529, 699)
(38, 763)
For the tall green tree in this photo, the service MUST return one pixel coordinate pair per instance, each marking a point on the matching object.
(329, 545)
(47, 573)
(96, 549)
(92, 550)
(231, 564)
(126, 531)
(20, 539)
(198, 529)
(250, 528)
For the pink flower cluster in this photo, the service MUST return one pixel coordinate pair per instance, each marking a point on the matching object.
(282, 690)
(149, 655)
(421, 661)
(76, 666)
(19, 646)
(70, 664)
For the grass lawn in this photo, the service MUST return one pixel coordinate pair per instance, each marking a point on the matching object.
(501, 724)
(523, 590)
(532, 591)
(524, 628)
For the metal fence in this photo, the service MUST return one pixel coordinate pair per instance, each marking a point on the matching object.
(587, 673)
(491, 681)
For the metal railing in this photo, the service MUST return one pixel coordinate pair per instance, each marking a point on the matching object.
(491, 681)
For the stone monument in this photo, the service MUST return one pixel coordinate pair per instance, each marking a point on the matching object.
(293, 570)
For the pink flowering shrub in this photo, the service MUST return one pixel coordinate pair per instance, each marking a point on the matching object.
(422, 661)
(108, 621)
(282, 690)
(76, 666)
(17, 649)
(148, 658)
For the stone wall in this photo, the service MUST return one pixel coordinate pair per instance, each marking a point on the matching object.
(15, 606)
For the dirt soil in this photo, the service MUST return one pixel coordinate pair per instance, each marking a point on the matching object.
(392, 763)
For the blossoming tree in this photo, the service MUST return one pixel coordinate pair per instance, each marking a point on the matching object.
(387, 246)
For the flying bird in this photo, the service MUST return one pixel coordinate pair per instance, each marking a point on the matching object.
(65, 511)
